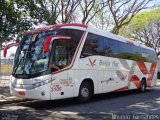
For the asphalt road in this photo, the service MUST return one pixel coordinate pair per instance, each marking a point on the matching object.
(120, 105)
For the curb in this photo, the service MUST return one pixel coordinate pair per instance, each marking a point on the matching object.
(12, 99)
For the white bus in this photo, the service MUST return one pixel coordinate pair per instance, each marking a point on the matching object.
(76, 60)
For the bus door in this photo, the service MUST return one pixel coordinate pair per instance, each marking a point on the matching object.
(60, 61)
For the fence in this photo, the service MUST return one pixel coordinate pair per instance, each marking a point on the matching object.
(5, 71)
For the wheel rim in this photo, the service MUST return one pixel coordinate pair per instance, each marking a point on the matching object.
(85, 92)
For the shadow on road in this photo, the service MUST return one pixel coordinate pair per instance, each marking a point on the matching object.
(53, 104)
(5, 91)
(100, 107)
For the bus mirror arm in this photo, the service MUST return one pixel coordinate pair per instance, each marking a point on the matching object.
(7, 47)
(49, 39)
(46, 43)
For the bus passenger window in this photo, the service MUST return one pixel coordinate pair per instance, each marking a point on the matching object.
(60, 54)
(93, 46)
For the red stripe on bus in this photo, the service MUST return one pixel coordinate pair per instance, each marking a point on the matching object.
(153, 67)
(136, 81)
(55, 27)
(71, 24)
(142, 67)
(151, 73)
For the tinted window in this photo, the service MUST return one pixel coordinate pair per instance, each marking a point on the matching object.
(152, 55)
(75, 38)
(99, 45)
(111, 47)
(129, 51)
(93, 45)
(63, 50)
(135, 49)
(149, 55)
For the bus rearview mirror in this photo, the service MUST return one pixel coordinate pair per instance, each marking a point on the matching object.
(46, 43)
(48, 40)
(7, 47)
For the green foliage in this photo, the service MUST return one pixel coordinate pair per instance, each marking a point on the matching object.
(145, 28)
(12, 20)
(40, 10)
(140, 21)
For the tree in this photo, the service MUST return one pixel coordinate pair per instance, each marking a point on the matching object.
(51, 11)
(20, 15)
(12, 20)
(101, 19)
(145, 28)
(118, 13)
(123, 11)
(41, 10)
(90, 8)
(68, 8)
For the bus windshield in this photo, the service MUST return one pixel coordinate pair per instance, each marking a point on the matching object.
(30, 57)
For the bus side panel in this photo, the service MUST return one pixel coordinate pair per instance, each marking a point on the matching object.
(154, 81)
(134, 75)
(63, 85)
(142, 70)
(84, 74)
(152, 74)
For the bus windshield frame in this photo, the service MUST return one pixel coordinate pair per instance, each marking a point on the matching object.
(30, 59)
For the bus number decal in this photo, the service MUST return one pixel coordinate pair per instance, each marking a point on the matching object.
(56, 88)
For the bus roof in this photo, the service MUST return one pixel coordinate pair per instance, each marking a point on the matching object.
(51, 27)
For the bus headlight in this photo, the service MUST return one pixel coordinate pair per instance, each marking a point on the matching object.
(38, 84)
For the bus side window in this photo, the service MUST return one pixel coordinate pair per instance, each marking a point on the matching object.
(107, 48)
(145, 55)
(60, 54)
(152, 55)
(124, 51)
(111, 47)
(93, 46)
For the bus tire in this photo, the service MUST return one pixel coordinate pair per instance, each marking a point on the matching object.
(143, 86)
(85, 92)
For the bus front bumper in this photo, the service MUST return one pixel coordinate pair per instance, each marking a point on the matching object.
(40, 93)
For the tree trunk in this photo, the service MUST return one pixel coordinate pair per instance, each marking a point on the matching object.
(115, 30)
(158, 54)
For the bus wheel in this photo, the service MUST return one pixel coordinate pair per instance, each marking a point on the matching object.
(143, 86)
(85, 92)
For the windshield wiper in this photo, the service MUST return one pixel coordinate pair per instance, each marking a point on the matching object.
(20, 59)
